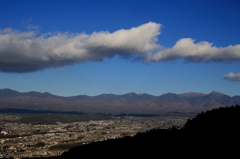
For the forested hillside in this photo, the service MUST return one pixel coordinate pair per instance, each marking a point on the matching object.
(213, 133)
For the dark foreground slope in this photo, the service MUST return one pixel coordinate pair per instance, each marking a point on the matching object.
(214, 133)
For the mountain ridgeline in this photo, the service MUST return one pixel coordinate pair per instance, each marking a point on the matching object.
(130, 103)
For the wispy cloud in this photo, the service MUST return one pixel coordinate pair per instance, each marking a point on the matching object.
(26, 20)
(196, 52)
(25, 52)
(31, 27)
(233, 77)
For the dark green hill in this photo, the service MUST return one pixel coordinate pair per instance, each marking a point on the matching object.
(28, 111)
(45, 119)
(52, 119)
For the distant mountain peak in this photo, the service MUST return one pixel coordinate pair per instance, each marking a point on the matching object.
(217, 93)
(7, 89)
(133, 93)
(8, 92)
(169, 93)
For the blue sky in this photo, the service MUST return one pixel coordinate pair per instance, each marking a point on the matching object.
(119, 46)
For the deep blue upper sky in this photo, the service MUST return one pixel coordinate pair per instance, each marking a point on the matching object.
(73, 47)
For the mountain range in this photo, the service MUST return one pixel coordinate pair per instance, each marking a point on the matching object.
(130, 103)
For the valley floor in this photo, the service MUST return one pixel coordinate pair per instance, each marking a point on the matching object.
(26, 140)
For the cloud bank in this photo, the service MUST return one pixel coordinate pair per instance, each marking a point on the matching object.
(233, 77)
(26, 52)
(196, 52)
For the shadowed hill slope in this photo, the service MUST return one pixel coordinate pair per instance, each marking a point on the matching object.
(214, 133)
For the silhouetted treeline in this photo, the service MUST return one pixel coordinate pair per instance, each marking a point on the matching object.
(226, 118)
(214, 133)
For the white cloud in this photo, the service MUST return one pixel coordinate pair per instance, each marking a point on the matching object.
(233, 77)
(25, 52)
(196, 52)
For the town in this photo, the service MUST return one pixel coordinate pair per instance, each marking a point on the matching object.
(18, 140)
